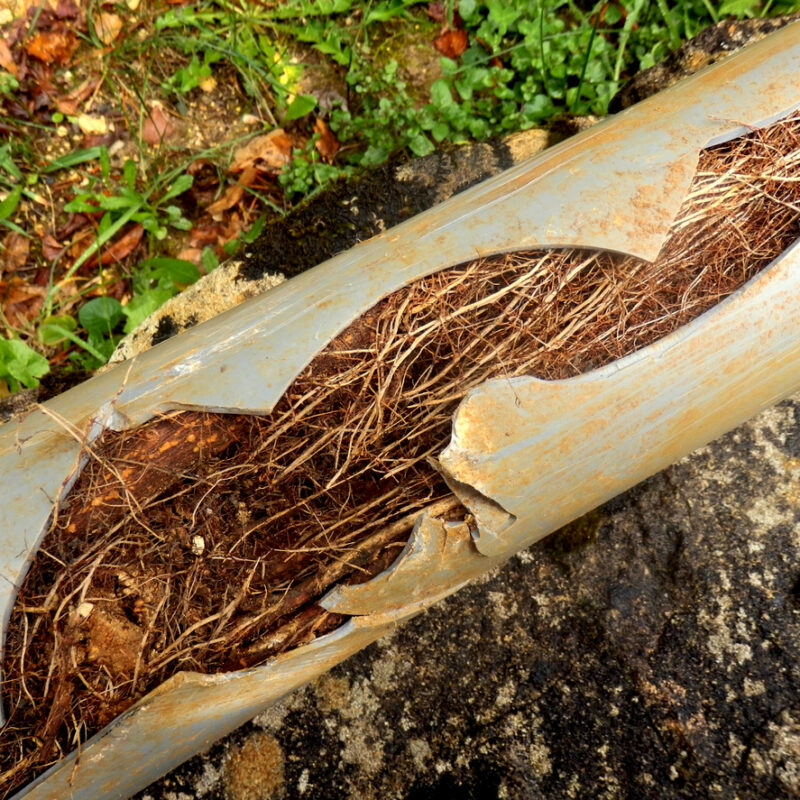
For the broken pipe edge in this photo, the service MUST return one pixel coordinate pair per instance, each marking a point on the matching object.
(606, 430)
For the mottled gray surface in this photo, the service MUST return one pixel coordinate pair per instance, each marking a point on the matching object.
(648, 651)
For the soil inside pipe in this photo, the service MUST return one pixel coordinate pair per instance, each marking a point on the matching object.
(203, 541)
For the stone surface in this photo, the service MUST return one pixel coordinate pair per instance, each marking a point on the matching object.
(649, 650)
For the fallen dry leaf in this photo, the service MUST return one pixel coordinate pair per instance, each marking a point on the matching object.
(66, 9)
(75, 223)
(451, 43)
(327, 145)
(92, 125)
(216, 234)
(98, 139)
(16, 249)
(233, 194)
(192, 254)
(42, 277)
(436, 11)
(268, 153)
(20, 301)
(157, 126)
(108, 26)
(51, 247)
(52, 46)
(120, 249)
(6, 59)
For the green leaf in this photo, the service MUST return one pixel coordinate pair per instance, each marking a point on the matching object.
(100, 315)
(421, 145)
(302, 104)
(176, 271)
(80, 205)
(105, 163)
(613, 14)
(440, 131)
(129, 170)
(182, 183)
(9, 205)
(466, 8)
(76, 157)
(739, 8)
(7, 163)
(255, 230)
(14, 227)
(142, 306)
(19, 364)
(441, 95)
(55, 329)
(115, 202)
(209, 260)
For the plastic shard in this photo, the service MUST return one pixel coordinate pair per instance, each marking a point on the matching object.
(521, 441)
(438, 559)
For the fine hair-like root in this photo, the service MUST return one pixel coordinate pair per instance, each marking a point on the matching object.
(203, 542)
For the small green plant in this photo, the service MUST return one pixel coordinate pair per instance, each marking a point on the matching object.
(132, 205)
(102, 321)
(157, 280)
(15, 185)
(20, 365)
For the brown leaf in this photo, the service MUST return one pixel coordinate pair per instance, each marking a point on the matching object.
(157, 126)
(233, 194)
(52, 46)
(216, 234)
(16, 249)
(70, 103)
(42, 277)
(51, 247)
(436, 11)
(204, 235)
(268, 153)
(107, 26)
(66, 9)
(98, 139)
(20, 301)
(451, 44)
(327, 145)
(6, 59)
(193, 254)
(74, 223)
(120, 249)
(229, 198)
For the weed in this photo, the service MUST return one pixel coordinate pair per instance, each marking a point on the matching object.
(20, 365)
